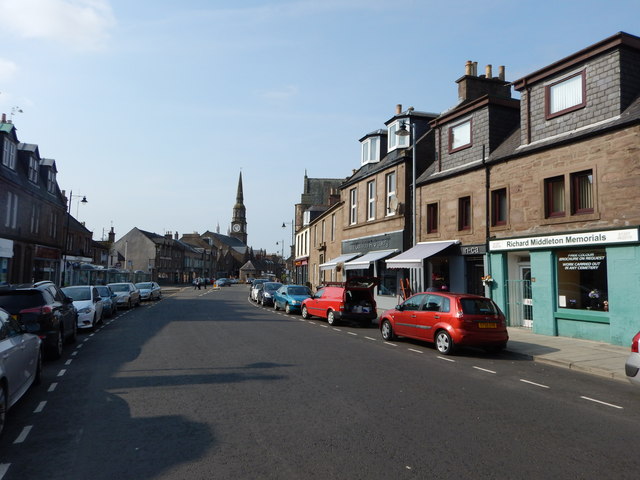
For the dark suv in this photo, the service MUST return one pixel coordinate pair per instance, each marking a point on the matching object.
(44, 310)
(351, 300)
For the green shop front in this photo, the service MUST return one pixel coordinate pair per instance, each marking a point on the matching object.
(578, 284)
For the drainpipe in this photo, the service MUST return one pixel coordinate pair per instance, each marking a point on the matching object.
(487, 210)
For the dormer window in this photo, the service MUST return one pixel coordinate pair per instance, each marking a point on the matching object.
(370, 150)
(51, 181)
(565, 95)
(398, 141)
(9, 154)
(34, 165)
(460, 136)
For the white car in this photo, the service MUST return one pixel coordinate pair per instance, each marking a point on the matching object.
(149, 291)
(88, 303)
(128, 294)
(632, 365)
(20, 362)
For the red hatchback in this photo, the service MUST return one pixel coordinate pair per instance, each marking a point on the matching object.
(448, 320)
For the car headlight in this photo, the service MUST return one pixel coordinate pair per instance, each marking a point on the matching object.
(85, 310)
(267, 295)
(294, 302)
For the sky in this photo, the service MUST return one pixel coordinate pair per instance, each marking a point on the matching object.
(152, 108)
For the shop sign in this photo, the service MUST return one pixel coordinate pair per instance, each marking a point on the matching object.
(385, 241)
(473, 249)
(629, 235)
(581, 261)
(47, 253)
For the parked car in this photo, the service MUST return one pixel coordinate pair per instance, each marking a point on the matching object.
(20, 362)
(128, 294)
(43, 309)
(290, 297)
(149, 291)
(448, 320)
(632, 365)
(265, 295)
(351, 300)
(88, 303)
(223, 282)
(108, 300)
(255, 288)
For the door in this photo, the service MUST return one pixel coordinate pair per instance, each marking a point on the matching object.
(520, 301)
(434, 310)
(405, 320)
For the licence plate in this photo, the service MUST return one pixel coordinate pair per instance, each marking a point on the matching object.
(487, 325)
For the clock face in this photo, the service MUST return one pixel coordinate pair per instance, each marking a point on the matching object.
(236, 227)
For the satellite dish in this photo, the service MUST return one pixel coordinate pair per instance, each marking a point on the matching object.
(393, 203)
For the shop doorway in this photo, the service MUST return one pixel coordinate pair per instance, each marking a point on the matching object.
(520, 301)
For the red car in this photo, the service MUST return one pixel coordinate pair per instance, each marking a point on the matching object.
(448, 320)
(351, 300)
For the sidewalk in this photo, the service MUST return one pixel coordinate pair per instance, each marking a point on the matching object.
(587, 356)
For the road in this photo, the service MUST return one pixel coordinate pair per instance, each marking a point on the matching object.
(207, 385)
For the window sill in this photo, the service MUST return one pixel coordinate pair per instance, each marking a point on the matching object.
(579, 217)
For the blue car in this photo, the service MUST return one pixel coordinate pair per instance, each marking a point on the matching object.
(290, 297)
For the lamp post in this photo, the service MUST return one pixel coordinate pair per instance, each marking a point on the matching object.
(293, 248)
(66, 235)
(403, 132)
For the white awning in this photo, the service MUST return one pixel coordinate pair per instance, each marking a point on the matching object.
(368, 258)
(413, 257)
(331, 264)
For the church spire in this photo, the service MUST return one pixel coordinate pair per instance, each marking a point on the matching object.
(239, 195)
(238, 220)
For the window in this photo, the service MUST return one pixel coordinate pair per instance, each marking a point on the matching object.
(565, 95)
(11, 217)
(460, 136)
(353, 206)
(9, 154)
(371, 200)
(51, 181)
(432, 218)
(370, 150)
(582, 279)
(554, 197)
(322, 231)
(397, 141)
(53, 226)
(391, 202)
(35, 219)
(499, 207)
(582, 192)
(333, 227)
(464, 213)
(33, 169)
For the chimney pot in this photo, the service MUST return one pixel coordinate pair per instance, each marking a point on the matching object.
(475, 69)
(501, 72)
(398, 109)
(488, 71)
(468, 68)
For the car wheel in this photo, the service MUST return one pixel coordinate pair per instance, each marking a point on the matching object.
(444, 344)
(305, 313)
(56, 348)
(331, 317)
(275, 306)
(387, 331)
(287, 308)
(3, 406)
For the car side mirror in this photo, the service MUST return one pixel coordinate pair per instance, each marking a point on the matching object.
(68, 300)
(399, 308)
(113, 295)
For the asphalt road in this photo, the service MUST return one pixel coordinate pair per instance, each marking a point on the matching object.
(206, 385)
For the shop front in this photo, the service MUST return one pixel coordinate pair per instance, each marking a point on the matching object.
(579, 285)
(46, 263)
(6, 254)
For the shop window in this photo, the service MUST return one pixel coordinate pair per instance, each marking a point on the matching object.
(464, 213)
(582, 192)
(499, 207)
(582, 279)
(554, 197)
(432, 218)
(388, 282)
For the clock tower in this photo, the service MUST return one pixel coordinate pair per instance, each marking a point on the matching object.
(239, 220)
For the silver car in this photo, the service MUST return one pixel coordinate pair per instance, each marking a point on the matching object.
(128, 294)
(20, 362)
(149, 291)
(632, 365)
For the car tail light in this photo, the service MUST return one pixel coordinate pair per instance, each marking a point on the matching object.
(634, 343)
(37, 310)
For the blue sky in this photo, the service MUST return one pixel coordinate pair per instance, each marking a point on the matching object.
(151, 108)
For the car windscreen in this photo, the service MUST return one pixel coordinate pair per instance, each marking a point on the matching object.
(78, 294)
(272, 287)
(103, 291)
(15, 300)
(478, 306)
(299, 291)
(144, 285)
(123, 287)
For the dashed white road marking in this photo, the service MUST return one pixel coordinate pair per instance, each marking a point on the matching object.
(447, 359)
(73, 354)
(354, 334)
(414, 350)
(62, 372)
(52, 387)
(337, 329)
(40, 407)
(23, 435)
(371, 338)
(484, 370)
(4, 467)
(68, 362)
(324, 326)
(389, 343)
(534, 383)
(601, 402)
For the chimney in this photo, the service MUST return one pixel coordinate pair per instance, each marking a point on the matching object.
(176, 236)
(398, 109)
(112, 236)
(471, 86)
(168, 235)
(4, 118)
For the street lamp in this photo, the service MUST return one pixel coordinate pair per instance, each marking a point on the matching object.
(403, 132)
(66, 235)
(293, 248)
